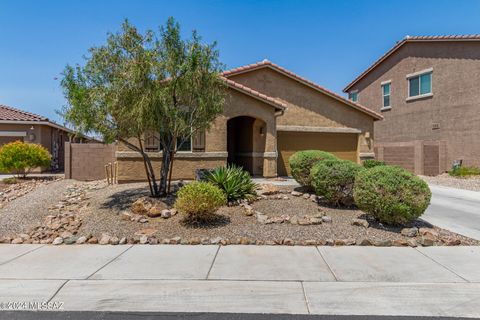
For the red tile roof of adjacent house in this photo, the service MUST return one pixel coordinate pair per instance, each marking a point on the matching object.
(469, 37)
(265, 63)
(249, 91)
(13, 114)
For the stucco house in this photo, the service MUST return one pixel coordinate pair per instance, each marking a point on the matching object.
(269, 114)
(24, 126)
(426, 88)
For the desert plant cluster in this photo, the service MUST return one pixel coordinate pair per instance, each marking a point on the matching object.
(390, 194)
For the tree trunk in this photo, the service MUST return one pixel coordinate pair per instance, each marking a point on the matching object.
(164, 172)
(172, 156)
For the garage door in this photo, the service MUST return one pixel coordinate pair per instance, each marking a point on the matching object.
(343, 145)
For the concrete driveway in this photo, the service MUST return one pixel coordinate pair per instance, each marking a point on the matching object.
(456, 210)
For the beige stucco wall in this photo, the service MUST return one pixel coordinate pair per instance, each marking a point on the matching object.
(454, 106)
(308, 107)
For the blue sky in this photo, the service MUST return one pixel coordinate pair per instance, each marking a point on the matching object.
(329, 42)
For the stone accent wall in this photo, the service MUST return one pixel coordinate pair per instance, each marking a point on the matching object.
(419, 157)
(86, 161)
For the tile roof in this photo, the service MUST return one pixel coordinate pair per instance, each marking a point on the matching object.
(12, 114)
(469, 37)
(242, 88)
(266, 63)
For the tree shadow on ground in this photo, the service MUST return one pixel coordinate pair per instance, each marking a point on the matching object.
(122, 200)
(214, 221)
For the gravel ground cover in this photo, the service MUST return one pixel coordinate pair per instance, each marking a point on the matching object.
(108, 207)
(470, 183)
(93, 212)
(20, 211)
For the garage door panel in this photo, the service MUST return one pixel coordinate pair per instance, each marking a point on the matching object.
(343, 145)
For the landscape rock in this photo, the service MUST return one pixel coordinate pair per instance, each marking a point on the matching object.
(56, 241)
(360, 223)
(18, 240)
(363, 242)
(327, 219)
(81, 240)
(410, 232)
(123, 240)
(125, 215)
(296, 193)
(315, 221)
(143, 239)
(412, 243)
(104, 239)
(152, 240)
(216, 240)
(71, 240)
(93, 240)
(400, 243)
(165, 214)
(114, 241)
(288, 242)
(382, 243)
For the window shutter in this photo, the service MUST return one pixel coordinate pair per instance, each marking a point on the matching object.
(152, 142)
(199, 141)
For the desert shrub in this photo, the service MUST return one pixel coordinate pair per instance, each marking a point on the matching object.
(302, 162)
(464, 171)
(334, 180)
(370, 163)
(235, 182)
(199, 200)
(11, 180)
(391, 194)
(20, 157)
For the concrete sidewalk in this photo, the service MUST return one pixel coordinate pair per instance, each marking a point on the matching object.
(434, 281)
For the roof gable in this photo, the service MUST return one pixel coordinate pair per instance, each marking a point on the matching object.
(308, 83)
(409, 39)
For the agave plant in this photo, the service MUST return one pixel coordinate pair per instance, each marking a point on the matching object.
(234, 181)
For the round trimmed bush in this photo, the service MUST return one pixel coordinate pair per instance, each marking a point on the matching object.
(334, 180)
(391, 194)
(370, 163)
(20, 157)
(200, 200)
(302, 162)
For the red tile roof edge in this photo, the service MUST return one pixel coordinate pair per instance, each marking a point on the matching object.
(469, 37)
(242, 88)
(26, 116)
(267, 63)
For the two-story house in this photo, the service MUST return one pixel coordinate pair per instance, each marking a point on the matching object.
(428, 90)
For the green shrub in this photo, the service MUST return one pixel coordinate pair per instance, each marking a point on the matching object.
(370, 163)
(464, 171)
(302, 162)
(20, 157)
(199, 200)
(334, 180)
(12, 180)
(235, 182)
(391, 194)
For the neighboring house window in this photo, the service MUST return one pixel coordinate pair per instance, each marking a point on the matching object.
(420, 84)
(386, 95)
(353, 96)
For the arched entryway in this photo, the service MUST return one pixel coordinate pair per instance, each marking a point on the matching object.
(246, 138)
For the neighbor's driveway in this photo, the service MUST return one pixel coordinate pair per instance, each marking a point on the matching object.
(434, 281)
(455, 209)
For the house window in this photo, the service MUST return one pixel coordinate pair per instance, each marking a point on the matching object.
(184, 144)
(386, 95)
(152, 141)
(353, 96)
(420, 84)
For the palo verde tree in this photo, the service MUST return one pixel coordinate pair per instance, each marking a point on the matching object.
(150, 82)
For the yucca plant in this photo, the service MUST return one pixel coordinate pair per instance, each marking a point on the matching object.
(234, 181)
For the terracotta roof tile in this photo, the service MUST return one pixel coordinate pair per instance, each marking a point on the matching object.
(12, 114)
(267, 63)
(468, 37)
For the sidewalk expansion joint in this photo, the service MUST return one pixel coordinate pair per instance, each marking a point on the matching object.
(325, 260)
(57, 291)
(25, 253)
(213, 262)
(108, 262)
(441, 265)
(305, 297)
